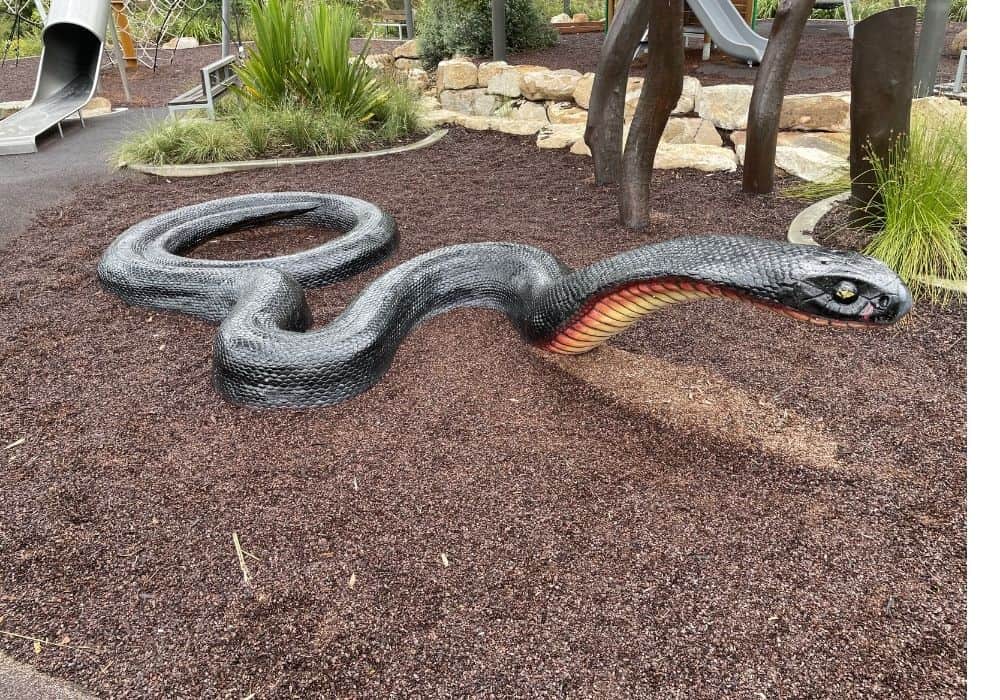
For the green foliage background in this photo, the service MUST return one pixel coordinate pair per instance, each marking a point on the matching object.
(446, 27)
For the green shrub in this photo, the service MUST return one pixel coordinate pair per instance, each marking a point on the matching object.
(305, 58)
(399, 114)
(27, 40)
(594, 9)
(866, 8)
(185, 141)
(925, 194)
(464, 26)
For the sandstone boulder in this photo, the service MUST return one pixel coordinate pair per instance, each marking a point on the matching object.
(566, 113)
(96, 107)
(709, 159)
(938, 109)
(8, 108)
(549, 85)
(408, 49)
(518, 127)
(829, 111)
(381, 62)
(559, 135)
(439, 117)
(961, 41)
(689, 95)
(835, 143)
(581, 93)
(456, 74)
(507, 82)
(531, 112)
(474, 122)
(691, 130)
(476, 102)
(489, 69)
(181, 42)
(417, 79)
(407, 64)
(725, 106)
(810, 157)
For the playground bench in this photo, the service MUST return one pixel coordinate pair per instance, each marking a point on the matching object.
(578, 27)
(216, 78)
(393, 19)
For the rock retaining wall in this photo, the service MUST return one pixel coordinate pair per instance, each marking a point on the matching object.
(706, 132)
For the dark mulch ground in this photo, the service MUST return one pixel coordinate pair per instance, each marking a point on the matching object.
(834, 230)
(768, 509)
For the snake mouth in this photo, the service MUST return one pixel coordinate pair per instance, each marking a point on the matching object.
(866, 316)
(609, 313)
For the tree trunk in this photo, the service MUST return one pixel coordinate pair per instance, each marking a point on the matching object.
(606, 114)
(660, 92)
(764, 117)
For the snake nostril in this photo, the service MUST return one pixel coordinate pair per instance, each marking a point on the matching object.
(882, 302)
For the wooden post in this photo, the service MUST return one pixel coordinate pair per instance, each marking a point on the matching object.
(764, 118)
(660, 92)
(606, 113)
(408, 12)
(932, 33)
(881, 95)
(499, 30)
(225, 28)
(124, 33)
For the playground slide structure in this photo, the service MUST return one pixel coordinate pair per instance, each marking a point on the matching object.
(72, 42)
(728, 29)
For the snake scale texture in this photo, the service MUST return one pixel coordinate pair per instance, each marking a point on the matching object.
(266, 355)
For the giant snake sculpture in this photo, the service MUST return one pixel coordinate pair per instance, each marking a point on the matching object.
(265, 354)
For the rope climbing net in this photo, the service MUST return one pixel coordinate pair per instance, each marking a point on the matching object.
(152, 25)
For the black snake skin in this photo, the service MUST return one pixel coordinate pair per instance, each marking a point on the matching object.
(265, 355)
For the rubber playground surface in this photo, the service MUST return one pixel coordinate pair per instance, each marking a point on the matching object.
(726, 503)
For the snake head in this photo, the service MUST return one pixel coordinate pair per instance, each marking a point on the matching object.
(846, 288)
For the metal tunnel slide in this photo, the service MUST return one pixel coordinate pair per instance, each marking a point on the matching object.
(729, 31)
(72, 41)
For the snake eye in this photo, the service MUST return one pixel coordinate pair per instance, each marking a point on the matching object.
(845, 292)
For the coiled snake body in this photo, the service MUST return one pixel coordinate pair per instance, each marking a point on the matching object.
(265, 355)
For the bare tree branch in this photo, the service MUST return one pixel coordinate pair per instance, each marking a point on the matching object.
(660, 93)
(764, 117)
(606, 115)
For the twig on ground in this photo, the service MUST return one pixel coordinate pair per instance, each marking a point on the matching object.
(36, 640)
(241, 558)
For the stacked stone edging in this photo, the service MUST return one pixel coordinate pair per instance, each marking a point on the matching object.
(707, 130)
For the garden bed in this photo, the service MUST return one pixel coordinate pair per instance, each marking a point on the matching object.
(727, 503)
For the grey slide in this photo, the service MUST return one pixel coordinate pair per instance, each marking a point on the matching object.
(72, 42)
(729, 31)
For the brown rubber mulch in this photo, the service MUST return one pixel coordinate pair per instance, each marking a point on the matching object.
(725, 504)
